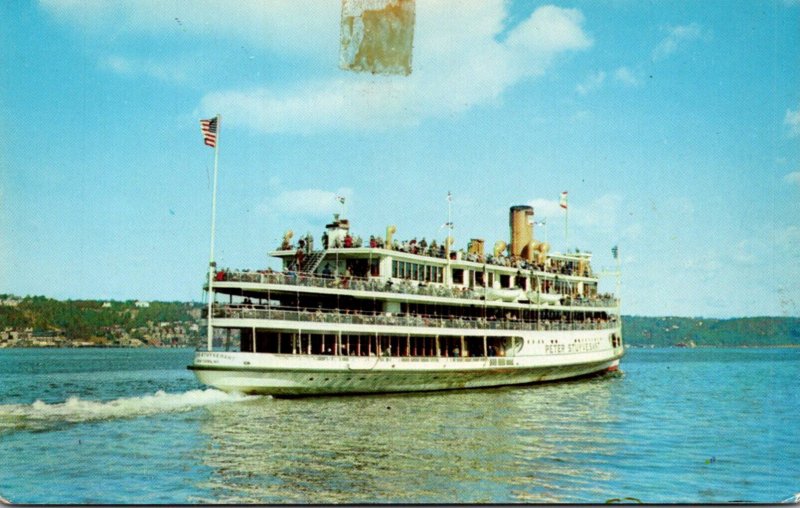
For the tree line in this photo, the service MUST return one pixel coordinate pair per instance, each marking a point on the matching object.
(749, 331)
(79, 319)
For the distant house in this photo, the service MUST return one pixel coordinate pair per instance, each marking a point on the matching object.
(142, 304)
(106, 305)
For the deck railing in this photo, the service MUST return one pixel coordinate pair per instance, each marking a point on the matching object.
(371, 284)
(250, 311)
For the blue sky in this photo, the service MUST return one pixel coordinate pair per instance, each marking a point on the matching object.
(674, 125)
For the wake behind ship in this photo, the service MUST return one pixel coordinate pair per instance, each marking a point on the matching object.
(380, 316)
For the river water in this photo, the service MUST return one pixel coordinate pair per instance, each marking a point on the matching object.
(116, 426)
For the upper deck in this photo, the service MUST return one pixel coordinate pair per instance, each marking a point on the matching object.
(392, 273)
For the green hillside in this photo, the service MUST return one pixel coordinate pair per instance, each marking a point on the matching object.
(669, 331)
(84, 319)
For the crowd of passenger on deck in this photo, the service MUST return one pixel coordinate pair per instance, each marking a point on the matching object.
(422, 248)
(494, 318)
(329, 279)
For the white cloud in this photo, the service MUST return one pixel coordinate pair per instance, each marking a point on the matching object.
(458, 60)
(170, 73)
(313, 202)
(545, 208)
(457, 64)
(792, 120)
(294, 27)
(677, 37)
(592, 82)
(600, 215)
(626, 76)
(792, 178)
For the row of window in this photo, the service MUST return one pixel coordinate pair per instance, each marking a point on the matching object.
(428, 273)
(417, 271)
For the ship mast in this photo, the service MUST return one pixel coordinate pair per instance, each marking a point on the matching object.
(211, 263)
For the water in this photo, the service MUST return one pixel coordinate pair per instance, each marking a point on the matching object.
(133, 426)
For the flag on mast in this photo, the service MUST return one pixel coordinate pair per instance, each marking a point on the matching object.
(563, 201)
(209, 129)
(615, 251)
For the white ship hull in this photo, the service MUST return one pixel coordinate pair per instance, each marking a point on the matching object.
(304, 375)
(354, 380)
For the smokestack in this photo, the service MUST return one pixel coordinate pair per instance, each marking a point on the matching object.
(521, 222)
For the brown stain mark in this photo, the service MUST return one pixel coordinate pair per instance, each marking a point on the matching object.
(377, 40)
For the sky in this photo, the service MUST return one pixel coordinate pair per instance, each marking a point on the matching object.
(673, 125)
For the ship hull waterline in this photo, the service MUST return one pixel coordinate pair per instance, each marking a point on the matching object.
(294, 382)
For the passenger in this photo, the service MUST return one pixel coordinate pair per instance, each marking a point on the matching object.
(326, 272)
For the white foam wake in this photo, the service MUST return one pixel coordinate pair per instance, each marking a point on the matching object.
(75, 409)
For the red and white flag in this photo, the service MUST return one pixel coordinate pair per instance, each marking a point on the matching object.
(209, 128)
(563, 201)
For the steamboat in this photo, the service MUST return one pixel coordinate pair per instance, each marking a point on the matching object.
(380, 315)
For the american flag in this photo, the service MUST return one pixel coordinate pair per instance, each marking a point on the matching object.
(209, 128)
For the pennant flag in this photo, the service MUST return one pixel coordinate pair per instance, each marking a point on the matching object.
(615, 251)
(449, 197)
(209, 128)
(563, 201)
(340, 199)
